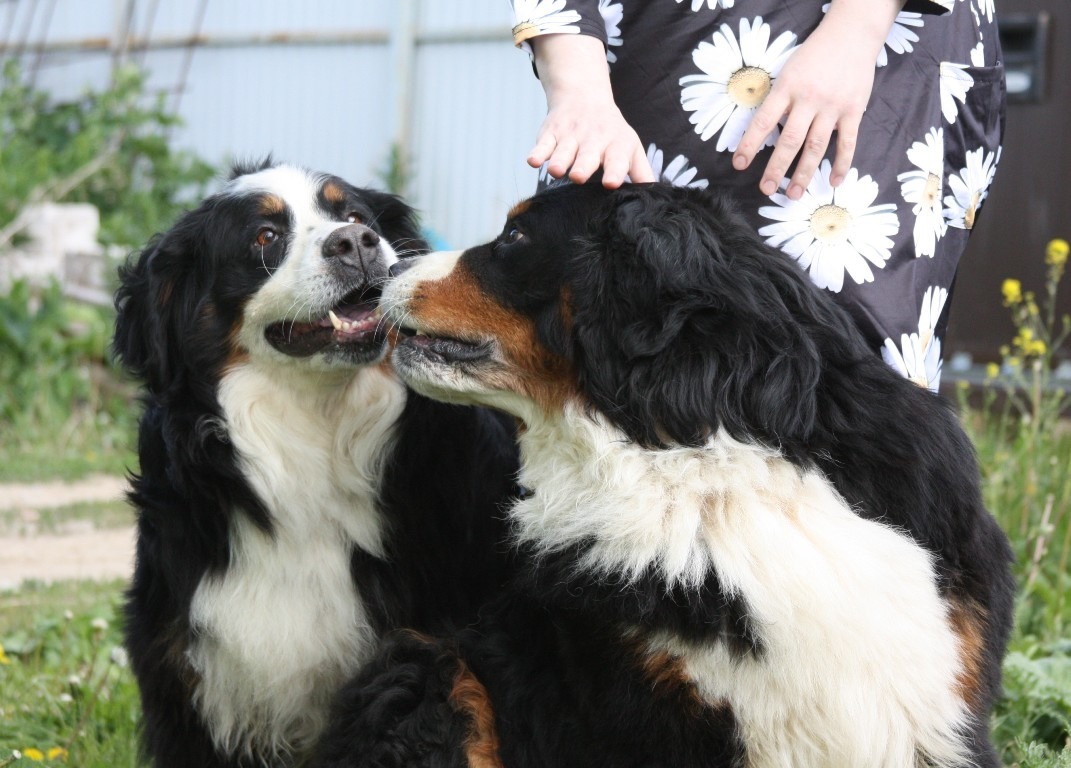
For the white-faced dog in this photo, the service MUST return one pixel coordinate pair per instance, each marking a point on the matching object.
(294, 500)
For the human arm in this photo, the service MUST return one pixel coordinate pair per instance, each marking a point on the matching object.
(584, 128)
(824, 86)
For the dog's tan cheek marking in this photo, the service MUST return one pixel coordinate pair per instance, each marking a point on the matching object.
(455, 306)
(968, 621)
(470, 697)
(237, 354)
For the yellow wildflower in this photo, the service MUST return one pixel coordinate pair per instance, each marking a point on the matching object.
(1013, 291)
(57, 753)
(1056, 253)
(1037, 348)
(992, 371)
(4, 659)
(33, 754)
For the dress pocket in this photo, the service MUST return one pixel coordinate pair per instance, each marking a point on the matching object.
(973, 108)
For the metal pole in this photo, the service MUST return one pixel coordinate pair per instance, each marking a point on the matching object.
(403, 54)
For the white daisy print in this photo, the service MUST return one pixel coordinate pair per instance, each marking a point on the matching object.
(922, 188)
(678, 173)
(832, 231)
(900, 39)
(712, 4)
(612, 13)
(955, 82)
(986, 8)
(970, 187)
(736, 77)
(918, 358)
(542, 17)
(978, 55)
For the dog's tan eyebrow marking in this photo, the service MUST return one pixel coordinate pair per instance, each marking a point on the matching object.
(333, 193)
(519, 209)
(271, 205)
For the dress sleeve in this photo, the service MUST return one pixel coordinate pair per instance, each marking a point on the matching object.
(532, 18)
(935, 7)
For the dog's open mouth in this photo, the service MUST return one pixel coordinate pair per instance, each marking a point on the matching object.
(353, 322)
(443, 349)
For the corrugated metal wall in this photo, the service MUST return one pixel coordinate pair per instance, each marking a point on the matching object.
(320, 84)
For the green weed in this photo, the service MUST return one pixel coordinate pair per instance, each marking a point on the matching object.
(66, 693)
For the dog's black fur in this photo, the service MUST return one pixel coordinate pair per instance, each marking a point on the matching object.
(677, 321)
(445, 470)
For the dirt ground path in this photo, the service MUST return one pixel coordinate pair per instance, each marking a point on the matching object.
(77, 550)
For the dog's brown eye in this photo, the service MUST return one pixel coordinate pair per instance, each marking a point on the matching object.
(514, 236)
(266, 237)
(353, 217)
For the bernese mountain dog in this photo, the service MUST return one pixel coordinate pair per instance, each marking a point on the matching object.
(745, 541)
(294, 500)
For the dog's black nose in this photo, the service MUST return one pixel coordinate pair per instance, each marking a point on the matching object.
(351, 240)
(400, 266)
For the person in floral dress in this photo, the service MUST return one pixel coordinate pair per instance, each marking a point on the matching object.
(860, 136)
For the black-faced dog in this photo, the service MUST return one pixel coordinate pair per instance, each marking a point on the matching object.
(747, 541)
(294, 500)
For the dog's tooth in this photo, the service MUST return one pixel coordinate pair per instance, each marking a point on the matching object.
(334, 320)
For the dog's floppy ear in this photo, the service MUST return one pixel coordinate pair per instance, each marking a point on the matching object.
(684, 323)
(397, 221)
(156, 303)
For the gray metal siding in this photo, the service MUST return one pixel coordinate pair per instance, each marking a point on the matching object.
(318, 84)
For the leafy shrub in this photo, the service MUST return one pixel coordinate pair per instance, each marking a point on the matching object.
(62, 404)
(109, 148)
(1024, 445)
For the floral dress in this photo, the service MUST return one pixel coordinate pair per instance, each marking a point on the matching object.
(688, 76)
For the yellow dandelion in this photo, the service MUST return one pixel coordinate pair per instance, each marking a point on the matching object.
(992, 371)
(1056, 252)
(1037, 348)
(1014, 362)
(1012, 290)
(57, 753)
(4, 659)
(34, 754)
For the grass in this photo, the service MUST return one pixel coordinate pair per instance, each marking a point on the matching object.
(95, 515)
(80, 445)
(66, 694)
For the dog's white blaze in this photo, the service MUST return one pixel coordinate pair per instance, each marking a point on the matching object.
(860, 663)
(427, 268)
(283, 626)
(301, 287)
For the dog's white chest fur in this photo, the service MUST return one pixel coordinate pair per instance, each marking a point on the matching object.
(859, 663)
(283, 626)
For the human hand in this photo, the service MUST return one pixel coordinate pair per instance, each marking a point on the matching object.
(824, 86)
(584, 129)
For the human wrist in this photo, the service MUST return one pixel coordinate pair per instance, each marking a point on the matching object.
(864, 24)
(572, 67)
